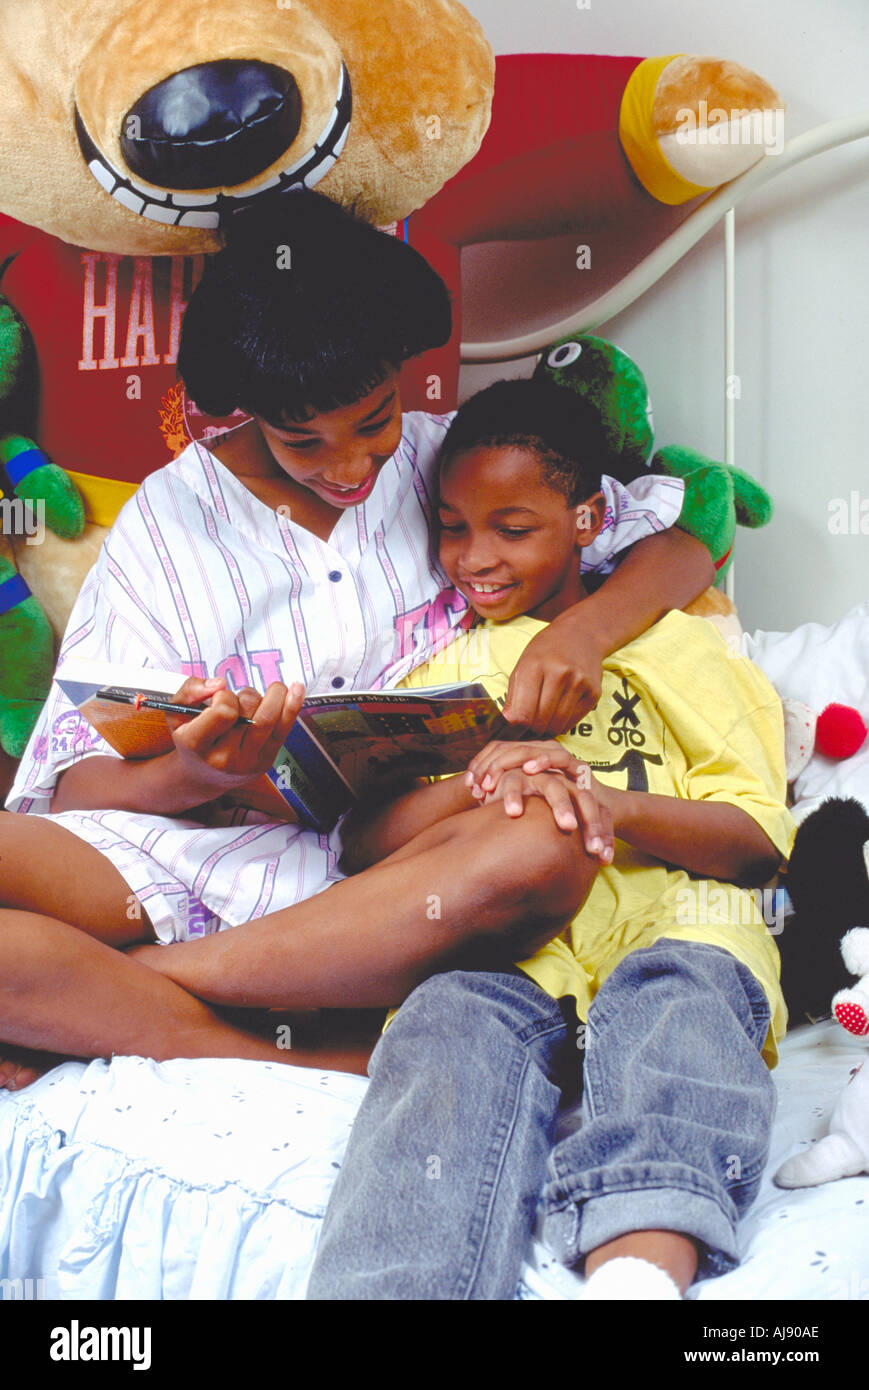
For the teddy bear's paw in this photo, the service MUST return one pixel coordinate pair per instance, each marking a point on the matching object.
(855, 951)
(711, 118)
(851, 1007)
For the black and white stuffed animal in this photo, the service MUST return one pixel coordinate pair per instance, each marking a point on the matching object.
(828, 883)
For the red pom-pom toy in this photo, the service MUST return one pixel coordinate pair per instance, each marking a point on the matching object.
(840, 732)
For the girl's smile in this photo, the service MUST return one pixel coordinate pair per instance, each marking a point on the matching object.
(338, 454)
(350, 496)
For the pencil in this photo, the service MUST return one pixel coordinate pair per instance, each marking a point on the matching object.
(155, 702)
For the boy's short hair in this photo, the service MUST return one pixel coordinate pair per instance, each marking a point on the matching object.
(562, 429)
(306, 309)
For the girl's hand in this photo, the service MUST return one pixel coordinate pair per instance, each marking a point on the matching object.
(557, 679)
(572, 807)
(216, 751)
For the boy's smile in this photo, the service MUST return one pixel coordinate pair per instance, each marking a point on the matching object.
(509, 541)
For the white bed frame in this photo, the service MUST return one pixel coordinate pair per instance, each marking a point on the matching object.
(829, 136)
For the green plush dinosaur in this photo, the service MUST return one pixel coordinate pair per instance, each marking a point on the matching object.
(717, 498)
(33, 493)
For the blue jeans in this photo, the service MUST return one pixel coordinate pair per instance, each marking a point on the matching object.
(454, 1142)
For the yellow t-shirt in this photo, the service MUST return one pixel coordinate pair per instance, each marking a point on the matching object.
(679, 715)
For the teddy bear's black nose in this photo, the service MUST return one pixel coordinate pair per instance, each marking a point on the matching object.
(214, 125)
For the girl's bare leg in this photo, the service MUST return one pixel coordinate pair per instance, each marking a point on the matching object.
(476, 889)
(364, 943)
(61, 989)
(45, 868)
(61, 896)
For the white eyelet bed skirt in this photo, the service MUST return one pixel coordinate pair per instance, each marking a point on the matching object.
(209, 1180)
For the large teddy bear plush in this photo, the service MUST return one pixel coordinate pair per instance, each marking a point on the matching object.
(131, 130)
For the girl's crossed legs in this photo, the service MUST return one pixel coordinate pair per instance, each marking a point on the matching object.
(477, 887)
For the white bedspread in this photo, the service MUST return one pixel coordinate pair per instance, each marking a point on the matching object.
(209, 1179)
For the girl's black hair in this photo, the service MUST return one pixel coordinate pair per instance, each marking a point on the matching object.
(562, 429)
(306, 309)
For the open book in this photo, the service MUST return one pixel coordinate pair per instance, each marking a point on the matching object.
(341, 748)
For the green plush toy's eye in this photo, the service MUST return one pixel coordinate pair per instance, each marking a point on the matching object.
(564, 355)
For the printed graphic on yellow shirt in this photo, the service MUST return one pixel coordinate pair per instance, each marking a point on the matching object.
(630, 730)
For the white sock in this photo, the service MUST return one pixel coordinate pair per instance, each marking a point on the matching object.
(629, 1278)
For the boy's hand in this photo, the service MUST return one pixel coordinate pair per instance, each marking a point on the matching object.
(216, 751)
(571, 807)
(557, 679)
(540, 755)
(510, 772)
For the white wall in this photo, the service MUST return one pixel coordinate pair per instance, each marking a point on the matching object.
(802, 423)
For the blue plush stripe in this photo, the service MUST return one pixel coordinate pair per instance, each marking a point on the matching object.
(24, 463)
(12, 591)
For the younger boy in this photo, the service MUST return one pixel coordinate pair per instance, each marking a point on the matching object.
(674, 976)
